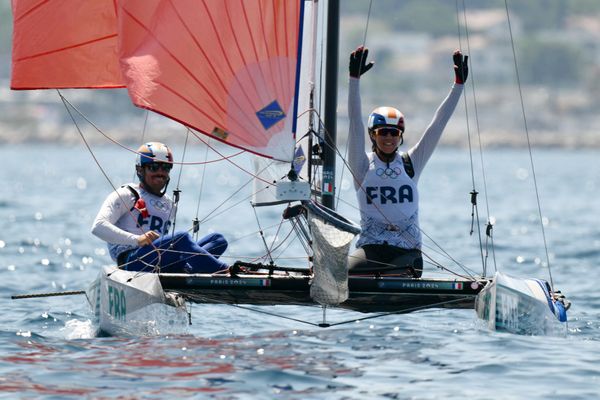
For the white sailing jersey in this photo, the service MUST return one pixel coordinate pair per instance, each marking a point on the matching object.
(391, 214)
(120, 226)
(388, 200)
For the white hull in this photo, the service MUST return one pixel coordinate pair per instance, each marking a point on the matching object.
(134, 303)
(522, 306)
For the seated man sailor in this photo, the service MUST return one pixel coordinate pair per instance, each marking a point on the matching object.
(386, 179)
(135, 219)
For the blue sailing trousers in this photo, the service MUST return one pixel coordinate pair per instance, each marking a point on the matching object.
(179, 253)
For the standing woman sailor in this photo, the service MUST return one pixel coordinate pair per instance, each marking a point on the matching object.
(386, 179)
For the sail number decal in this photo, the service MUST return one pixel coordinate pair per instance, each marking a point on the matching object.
(117, 306)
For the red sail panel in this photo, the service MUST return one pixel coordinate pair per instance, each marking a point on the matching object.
(226, 68)
(65, 44)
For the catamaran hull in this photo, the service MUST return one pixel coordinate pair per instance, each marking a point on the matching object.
(133, 303)
(522, 306)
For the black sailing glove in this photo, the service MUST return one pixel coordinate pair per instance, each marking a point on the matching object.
(358, 62)
(461, 67)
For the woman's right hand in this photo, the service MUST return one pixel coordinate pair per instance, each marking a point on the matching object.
(147, 238)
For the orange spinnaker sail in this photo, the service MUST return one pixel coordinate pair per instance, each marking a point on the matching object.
(65, 44)
(226, 68)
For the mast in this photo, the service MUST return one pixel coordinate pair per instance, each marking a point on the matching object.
(330, 113)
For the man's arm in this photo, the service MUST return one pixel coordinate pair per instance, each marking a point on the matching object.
(116, 205)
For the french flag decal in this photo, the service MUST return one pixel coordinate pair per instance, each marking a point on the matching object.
(327, 187)
(458, 286)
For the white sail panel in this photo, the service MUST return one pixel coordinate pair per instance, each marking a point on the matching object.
(267, 171)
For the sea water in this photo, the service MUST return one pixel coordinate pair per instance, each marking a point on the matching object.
(48, 348)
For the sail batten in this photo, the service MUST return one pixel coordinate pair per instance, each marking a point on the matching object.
(66, 48)
(206, 91)
(241, 75)
(64, 44)
(228, 61)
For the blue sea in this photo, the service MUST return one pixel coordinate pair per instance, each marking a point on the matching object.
(48, 349)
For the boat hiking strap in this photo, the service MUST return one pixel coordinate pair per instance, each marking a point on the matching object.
(408, 165)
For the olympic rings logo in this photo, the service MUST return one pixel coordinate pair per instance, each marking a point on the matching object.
(160, 205)
(391, 173)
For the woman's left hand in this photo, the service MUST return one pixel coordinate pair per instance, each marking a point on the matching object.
(461, 67)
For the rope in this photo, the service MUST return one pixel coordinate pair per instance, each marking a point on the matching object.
(482, 163)
(176, 191)
(143, 136)
(364, 43)
(475, 209)
(353, 320)
(110, 139)
(200, 192)
(483, 169)
(337, 151)
(535, 184)
(85, 142)
(405, 311)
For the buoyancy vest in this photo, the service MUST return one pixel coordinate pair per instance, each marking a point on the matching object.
(388, 202)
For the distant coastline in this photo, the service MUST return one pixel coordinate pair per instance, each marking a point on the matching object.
(452, 138)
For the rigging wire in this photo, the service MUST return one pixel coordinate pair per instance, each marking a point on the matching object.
(68, 106)
(438, 250)
(110, 139)
(196, 221)
(262, 236)
(177, 191)
(195, 134)
(469, 140)
(489, 224)
(348, 321)
(337, 151)
(345, 164)
(535, 184)
(364, 43)
(475, 208)
(143, 135)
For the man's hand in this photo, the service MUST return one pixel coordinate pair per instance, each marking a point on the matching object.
(358, 62)
(147, 238)
(461, 67)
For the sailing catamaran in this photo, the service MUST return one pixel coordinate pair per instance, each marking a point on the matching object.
(248, 77)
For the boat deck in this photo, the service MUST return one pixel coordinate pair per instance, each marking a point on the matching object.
(367, 294)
